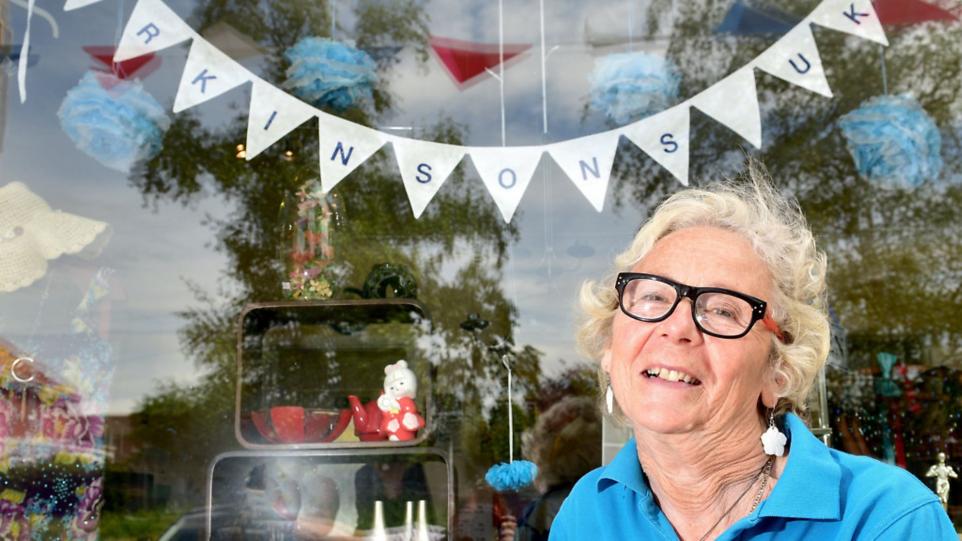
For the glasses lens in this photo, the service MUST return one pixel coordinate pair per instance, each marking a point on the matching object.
(648, 299)
(723, 314)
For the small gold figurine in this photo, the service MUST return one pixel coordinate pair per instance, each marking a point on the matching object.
(942, 472)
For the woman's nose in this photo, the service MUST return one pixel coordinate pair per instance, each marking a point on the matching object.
(680, 325)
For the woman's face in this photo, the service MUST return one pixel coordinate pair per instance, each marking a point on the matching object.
(731, 374)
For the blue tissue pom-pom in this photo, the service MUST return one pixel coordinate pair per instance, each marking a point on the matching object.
(629, 86)
(893, 141)
(511, 477)
(118, 125)
(330, 74)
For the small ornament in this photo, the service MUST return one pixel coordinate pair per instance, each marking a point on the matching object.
(942, 472)
(630, 86)
(774, 442)
(516, 474)
(394, 415)
(893, 141)
(115, 122)
(330, 74)
(309, 220)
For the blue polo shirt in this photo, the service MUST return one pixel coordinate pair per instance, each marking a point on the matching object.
(822, 494)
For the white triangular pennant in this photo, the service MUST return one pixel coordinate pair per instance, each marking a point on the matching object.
(151, 27)
(506, 171)
(424, 168)
(733, 102)
(343, 146)
(587, 162)
(77, 4)
(795, 59)
(207, 74)
(856, 17)
(273, 114)
(664, 137)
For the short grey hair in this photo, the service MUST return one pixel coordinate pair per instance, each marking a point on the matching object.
(779, 233)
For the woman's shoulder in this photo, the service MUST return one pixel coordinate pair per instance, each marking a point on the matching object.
(866, 478)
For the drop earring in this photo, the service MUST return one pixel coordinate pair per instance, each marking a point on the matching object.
(773, 440)
(609, 398)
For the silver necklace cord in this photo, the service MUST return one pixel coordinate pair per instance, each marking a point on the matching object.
(763, 473)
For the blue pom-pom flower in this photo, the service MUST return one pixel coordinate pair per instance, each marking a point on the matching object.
(629, 86)
(893, 141)
(512, 476)
(116, 122)
(330, 74)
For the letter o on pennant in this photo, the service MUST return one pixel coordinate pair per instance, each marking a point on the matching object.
(511, 183)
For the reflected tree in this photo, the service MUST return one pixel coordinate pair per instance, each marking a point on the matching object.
(375, 226)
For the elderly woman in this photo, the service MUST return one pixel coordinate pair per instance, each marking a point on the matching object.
(709, 338)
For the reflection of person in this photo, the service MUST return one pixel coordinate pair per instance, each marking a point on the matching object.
(942, 472)
(714, 330)
(564, 443)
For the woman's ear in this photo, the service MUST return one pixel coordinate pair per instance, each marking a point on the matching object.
(771, 389)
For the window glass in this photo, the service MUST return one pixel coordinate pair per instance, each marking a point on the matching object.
(194, 342)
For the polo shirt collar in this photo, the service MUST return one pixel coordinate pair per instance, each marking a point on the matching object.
(810, 471)
(626, 470)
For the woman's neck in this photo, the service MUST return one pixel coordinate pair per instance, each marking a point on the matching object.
(697, 477)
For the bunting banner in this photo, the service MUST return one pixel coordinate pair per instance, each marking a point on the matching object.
(424, 167)
(505, 171)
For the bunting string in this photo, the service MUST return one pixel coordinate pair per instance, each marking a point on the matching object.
(505, 171)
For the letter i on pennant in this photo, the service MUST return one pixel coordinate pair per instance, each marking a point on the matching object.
(272, 115)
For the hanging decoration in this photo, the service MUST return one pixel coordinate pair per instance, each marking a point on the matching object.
(466, 61)
(909, 12)
(330, 74)
(505, 171)
(31, 233)
(515, 474)
(893, 141)
(629, 86)
(141, 66)
(745, 20)
(116, 122)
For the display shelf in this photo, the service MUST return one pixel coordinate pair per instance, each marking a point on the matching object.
(298, 362)
(373, 493)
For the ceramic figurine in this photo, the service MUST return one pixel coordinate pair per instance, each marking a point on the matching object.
(942, 472)
(394, 415)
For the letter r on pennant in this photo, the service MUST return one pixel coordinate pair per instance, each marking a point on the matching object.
(150, 30)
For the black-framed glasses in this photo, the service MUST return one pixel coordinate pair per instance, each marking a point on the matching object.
(716, 311)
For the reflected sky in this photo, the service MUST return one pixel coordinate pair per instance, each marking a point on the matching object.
(159, 251)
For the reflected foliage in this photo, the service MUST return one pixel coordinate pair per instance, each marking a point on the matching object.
(374, 226)
(894, 277)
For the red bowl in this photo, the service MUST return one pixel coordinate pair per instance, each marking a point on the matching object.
(294, 424)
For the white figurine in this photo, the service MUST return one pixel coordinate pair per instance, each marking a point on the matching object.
(400, 419)
(942, 472)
